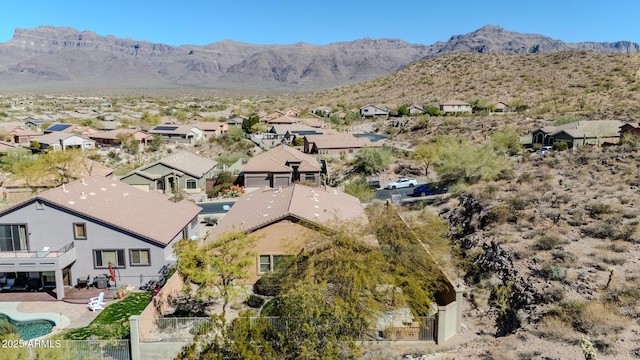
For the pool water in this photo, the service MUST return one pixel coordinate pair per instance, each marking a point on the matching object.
(31, 329)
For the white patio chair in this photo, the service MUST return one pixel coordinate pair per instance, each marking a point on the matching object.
(97, 303)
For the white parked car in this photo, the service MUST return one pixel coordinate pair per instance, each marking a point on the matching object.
(402, 183)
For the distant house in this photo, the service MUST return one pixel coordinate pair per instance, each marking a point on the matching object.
(187, 134)
(61, 141)
(71, 129)
(282, 216)
(196, 118)
(292, 112)
(213, 128)
(286, 133)
(580, 133)
(23, 136)
(334, 144)
(281, 166)
(284, 119)
(630, 129)
(322, 111)
(36, 124)
(455, 106)
(272, 115)
(415, 110)
(112, 138)
(369, 111)
(83, 228)
(181, 171)
(501, 107)
(235, 121)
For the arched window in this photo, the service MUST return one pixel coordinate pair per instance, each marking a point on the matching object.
(191, 184)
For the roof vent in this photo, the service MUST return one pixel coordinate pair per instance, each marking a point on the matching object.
(64, 188)
(83, 183)
(125, 194)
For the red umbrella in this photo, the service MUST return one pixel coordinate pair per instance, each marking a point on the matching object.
(112, 273)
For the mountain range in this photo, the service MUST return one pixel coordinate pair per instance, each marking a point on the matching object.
(63, 58)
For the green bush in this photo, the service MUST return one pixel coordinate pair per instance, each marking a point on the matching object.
(254, 301)
(547, 242)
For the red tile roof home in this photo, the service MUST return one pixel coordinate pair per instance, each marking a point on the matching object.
(334, 142)
(148, 214)
(278, 158)
(314, 205)
(285, 119)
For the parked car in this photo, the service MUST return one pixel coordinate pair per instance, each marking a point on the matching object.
(402, 183)
(428, 189)
(375, 184)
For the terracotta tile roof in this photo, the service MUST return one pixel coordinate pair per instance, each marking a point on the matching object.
(275, 160)
(285, 119)
(148, 214)
(182, 161)
(58, 136)
(313, 204)
(113, 134)
(211, 125)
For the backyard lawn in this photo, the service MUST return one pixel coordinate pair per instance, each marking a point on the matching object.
(113, 321)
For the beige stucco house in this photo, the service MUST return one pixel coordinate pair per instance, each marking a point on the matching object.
(281, 166)
(282, 217)
(455, 106)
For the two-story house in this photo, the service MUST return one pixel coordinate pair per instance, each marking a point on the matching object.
(83, 228)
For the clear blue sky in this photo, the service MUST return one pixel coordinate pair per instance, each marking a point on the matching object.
(202, 22)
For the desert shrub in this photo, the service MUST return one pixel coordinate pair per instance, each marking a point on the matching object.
(551, 271)
(254, 301)
(500, 214)
(597, 210)
(517, 203)
(591, 317)
(553, 294)
(555, 328)
(547, 242)
(537, 146)
(525, 177)
(560, 146)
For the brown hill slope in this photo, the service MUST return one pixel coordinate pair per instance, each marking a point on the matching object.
(590, 84)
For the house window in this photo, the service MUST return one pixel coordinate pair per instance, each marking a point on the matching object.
(13, 238)
(79, 231)
(310, 177)
(139, 257)
(270, 262)
(265, 263)
(102, 258)
(191, 184)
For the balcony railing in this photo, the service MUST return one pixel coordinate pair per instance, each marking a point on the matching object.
(37, 254)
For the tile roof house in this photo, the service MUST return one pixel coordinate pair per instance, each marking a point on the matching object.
(455, 106)
(285, 133)
(188, 134)
(282, 216)
(112, 138)
(371, 111)
(213, 128)
(580, 133)
(181, 171)
(415, 109)
(62, 140)
(24, 136)
(281, 166)
(80, 228)
(334, 144)
(71, 129)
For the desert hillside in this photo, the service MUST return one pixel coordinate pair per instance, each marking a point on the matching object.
(584, 83)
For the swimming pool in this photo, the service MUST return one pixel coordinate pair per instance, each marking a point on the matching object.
(31, 329)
